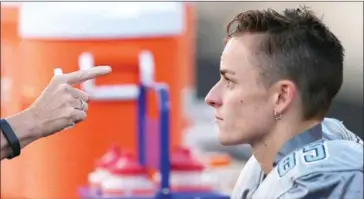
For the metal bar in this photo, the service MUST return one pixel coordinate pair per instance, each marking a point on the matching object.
(141, 120)
(164, 110)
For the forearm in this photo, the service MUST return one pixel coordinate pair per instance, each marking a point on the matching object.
(24, 127)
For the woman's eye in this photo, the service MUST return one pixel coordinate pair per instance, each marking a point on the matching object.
(229, 82)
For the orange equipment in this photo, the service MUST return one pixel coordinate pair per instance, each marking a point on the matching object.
(9, 59)
(12, 172)
(139, 40)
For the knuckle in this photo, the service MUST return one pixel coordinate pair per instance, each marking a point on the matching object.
(69, 112)
(67, 87)
(70, 122)
(69, 99)
(81, 116)
(86, 96)
(83, 95)
(63, 87)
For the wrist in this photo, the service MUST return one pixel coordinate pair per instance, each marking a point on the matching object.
(25, 127)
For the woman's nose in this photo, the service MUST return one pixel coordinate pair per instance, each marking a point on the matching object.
(212, 99)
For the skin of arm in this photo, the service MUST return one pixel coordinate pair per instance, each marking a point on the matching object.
(25, 128)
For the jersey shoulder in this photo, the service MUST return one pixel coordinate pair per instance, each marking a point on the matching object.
(322, 156)
(333, 129)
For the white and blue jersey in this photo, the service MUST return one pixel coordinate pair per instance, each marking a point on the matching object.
(323, 162)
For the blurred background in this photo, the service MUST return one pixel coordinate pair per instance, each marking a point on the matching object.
(180, 43)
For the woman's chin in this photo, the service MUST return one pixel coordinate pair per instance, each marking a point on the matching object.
(227, 139)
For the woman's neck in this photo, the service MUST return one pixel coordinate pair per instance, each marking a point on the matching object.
(266, 149)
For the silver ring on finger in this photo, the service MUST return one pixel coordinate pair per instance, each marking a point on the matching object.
(83, 104)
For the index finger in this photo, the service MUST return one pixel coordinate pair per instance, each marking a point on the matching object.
(80, 76)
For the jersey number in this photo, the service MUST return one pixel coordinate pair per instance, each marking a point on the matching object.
(311, 153)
